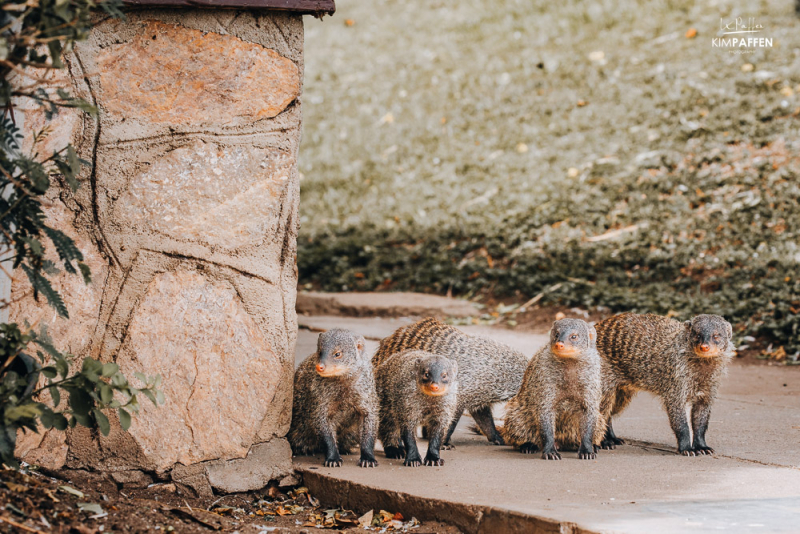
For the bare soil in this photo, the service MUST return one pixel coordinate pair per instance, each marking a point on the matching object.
(67, 502)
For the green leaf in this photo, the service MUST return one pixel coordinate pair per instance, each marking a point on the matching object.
(85, 272)
(55, 394)
(62, 366)
(140, 376)
(42, 285)
(102, 421)
(124, 419)
(81, 403)
(50, 372)
(109, 369)
(150, 395)
(59, 422)
(106, 393)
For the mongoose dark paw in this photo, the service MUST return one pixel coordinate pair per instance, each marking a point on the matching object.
(448, 446)
(551, 455)
(433, 460)
(394, 453)
(413, 462)
(611, 444)
(528, 448)
(584, 454)
(497, 440)
(687, 452)
(367, 461)
(703, 450)
(333, 462)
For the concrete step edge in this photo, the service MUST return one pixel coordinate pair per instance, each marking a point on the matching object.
(470, 518)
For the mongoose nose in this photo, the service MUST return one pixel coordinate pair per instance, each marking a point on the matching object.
(705, 348)
(320, 367)
(434, 387)
(559, 346)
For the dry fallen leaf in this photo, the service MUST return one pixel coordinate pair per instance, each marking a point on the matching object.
(691, 33)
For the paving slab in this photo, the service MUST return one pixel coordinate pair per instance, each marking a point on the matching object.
(752, 484)
(394, 304)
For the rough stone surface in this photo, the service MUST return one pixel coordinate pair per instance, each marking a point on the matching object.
(223, 196)
(172, 74)
(400, 304)
(265, 462)
(188, 219)
(220, 373)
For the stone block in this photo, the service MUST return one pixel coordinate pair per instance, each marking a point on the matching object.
(265, 462)
(219, 372)
(222, 196)
(168, 73)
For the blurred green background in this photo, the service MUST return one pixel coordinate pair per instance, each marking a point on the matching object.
(498, 147)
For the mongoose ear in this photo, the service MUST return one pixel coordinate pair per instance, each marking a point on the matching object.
(729, 329)
(592, 334)
(361, 343)
(455, 367)
(688, 325)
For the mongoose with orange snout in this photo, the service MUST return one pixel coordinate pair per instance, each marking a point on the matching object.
(680, 362)
(416, 388)
(488, 371)
(335, 400)
(558, 405)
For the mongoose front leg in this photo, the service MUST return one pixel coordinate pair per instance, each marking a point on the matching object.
(432, 457)
(676, 410)
(413, 459)
(332, 457)
(368, 429)
(548, 426)
(701, 412)
(485, 421)
(448, 445)
(588, 421)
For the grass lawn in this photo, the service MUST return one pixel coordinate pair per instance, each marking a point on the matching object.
(507, 147)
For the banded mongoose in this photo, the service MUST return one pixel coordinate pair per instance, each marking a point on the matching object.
(416, 388)
(558, 404)
(681, 362)
(335, 401)
(488, 371)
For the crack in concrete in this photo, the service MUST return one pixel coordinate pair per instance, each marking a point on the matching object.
(645, 445)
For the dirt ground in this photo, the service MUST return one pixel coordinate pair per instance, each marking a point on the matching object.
(76, 502)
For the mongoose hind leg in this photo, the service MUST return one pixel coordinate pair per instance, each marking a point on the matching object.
(448, 445)
(485, 421)
(528, 448)
(610, 439)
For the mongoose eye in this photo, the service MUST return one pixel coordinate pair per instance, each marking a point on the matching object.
(444, 375)
(337, 355)
(574, 336)
(427, 374)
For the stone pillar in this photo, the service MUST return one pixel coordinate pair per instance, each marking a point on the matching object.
(188, 220)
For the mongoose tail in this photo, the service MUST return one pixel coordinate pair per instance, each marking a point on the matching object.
(559, 401)
(335, 401)
(682, 363)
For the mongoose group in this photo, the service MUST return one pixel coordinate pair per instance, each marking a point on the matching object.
(428, 373)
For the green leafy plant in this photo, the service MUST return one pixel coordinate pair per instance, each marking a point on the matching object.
(33, 36)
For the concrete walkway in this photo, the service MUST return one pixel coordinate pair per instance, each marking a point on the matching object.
(751, 486)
